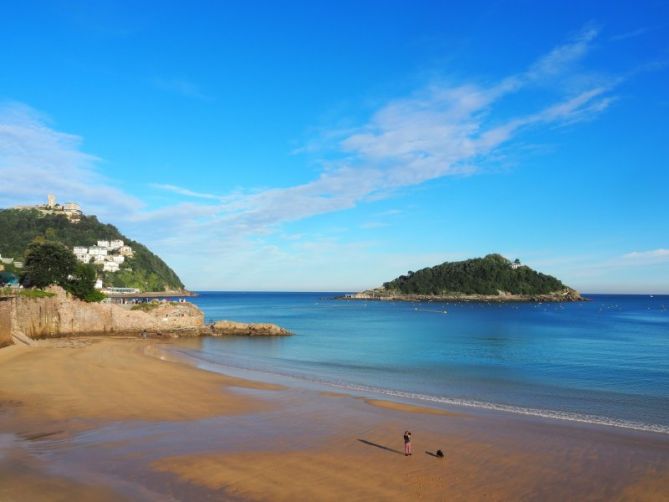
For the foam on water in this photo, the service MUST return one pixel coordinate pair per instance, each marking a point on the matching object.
(217, 366)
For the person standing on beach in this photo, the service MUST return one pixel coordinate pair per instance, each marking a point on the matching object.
(407, 443)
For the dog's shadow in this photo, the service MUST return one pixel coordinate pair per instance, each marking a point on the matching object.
(435, 454)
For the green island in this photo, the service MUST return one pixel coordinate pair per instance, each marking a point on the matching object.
(491, 278)
(141, 270)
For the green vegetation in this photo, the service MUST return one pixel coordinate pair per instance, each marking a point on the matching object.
(482, 276)
(50, 263)
(148, 307)
(145, 307)
(47, 263)
(145, 270)
(26, 293)
(82, 283)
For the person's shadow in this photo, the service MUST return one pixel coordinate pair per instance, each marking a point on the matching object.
(392, 450)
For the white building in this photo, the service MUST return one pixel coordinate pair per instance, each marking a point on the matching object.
(103, 244)
(115, 244)
(84, 258)
(97, 250)
(98, 284)
(125, 251)
(110, 266)
(80, 250)
(118, 259)
(72, 211)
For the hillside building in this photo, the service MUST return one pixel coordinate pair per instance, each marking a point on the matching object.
(110, 266)
(110, 254)
(71, 210)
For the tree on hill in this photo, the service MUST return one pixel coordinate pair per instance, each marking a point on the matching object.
(50, 263)
(47, 263)
(81, 283)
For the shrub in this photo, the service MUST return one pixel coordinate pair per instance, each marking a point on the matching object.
(81, 283)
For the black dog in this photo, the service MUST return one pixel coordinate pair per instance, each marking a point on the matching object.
(440, 454)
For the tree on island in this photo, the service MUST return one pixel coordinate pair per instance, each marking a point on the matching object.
(478, 276)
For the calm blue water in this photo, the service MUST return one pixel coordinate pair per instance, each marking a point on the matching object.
(604, 361)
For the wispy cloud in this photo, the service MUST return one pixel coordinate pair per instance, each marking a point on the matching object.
(182, 87)
(647, 257)
(442, 129)
(35, 160)
(631, 34)
(184, 191)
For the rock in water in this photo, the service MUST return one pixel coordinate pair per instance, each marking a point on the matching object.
(222, 328)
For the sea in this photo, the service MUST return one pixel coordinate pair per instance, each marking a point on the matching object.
(604, 361)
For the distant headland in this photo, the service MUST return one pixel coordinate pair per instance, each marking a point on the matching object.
(492, 278)
(121, 265)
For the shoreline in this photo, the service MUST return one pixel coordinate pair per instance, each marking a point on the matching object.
(419, 400)
(229, 437)
(455, 298)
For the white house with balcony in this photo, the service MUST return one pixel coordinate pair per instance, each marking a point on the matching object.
(97, 250)
(110, 266)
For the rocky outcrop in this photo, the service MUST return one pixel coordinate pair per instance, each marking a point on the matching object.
(222, 328)
(380, 294)
(62, 315)
(24, 320)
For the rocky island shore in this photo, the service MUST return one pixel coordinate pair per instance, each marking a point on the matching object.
(380, 294)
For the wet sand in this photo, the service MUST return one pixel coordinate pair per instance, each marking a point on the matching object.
(107, 419)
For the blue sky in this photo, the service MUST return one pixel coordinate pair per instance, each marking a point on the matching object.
(333, 146)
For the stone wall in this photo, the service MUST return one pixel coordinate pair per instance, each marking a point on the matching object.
(6, 321)
(62, 315)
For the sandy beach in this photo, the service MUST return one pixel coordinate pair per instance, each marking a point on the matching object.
(115, 419)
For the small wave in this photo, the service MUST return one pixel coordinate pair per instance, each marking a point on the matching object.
(518, 410)
(469, 403)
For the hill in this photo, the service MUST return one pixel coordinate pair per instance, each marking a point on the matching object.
(492, 277)
(144, 270)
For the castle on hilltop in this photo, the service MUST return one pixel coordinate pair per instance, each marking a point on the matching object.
(71, 210)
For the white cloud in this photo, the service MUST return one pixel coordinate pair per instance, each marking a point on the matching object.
(183, 191)
(632, 34)
(443, 129)
(36, 160)
(647, 257)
